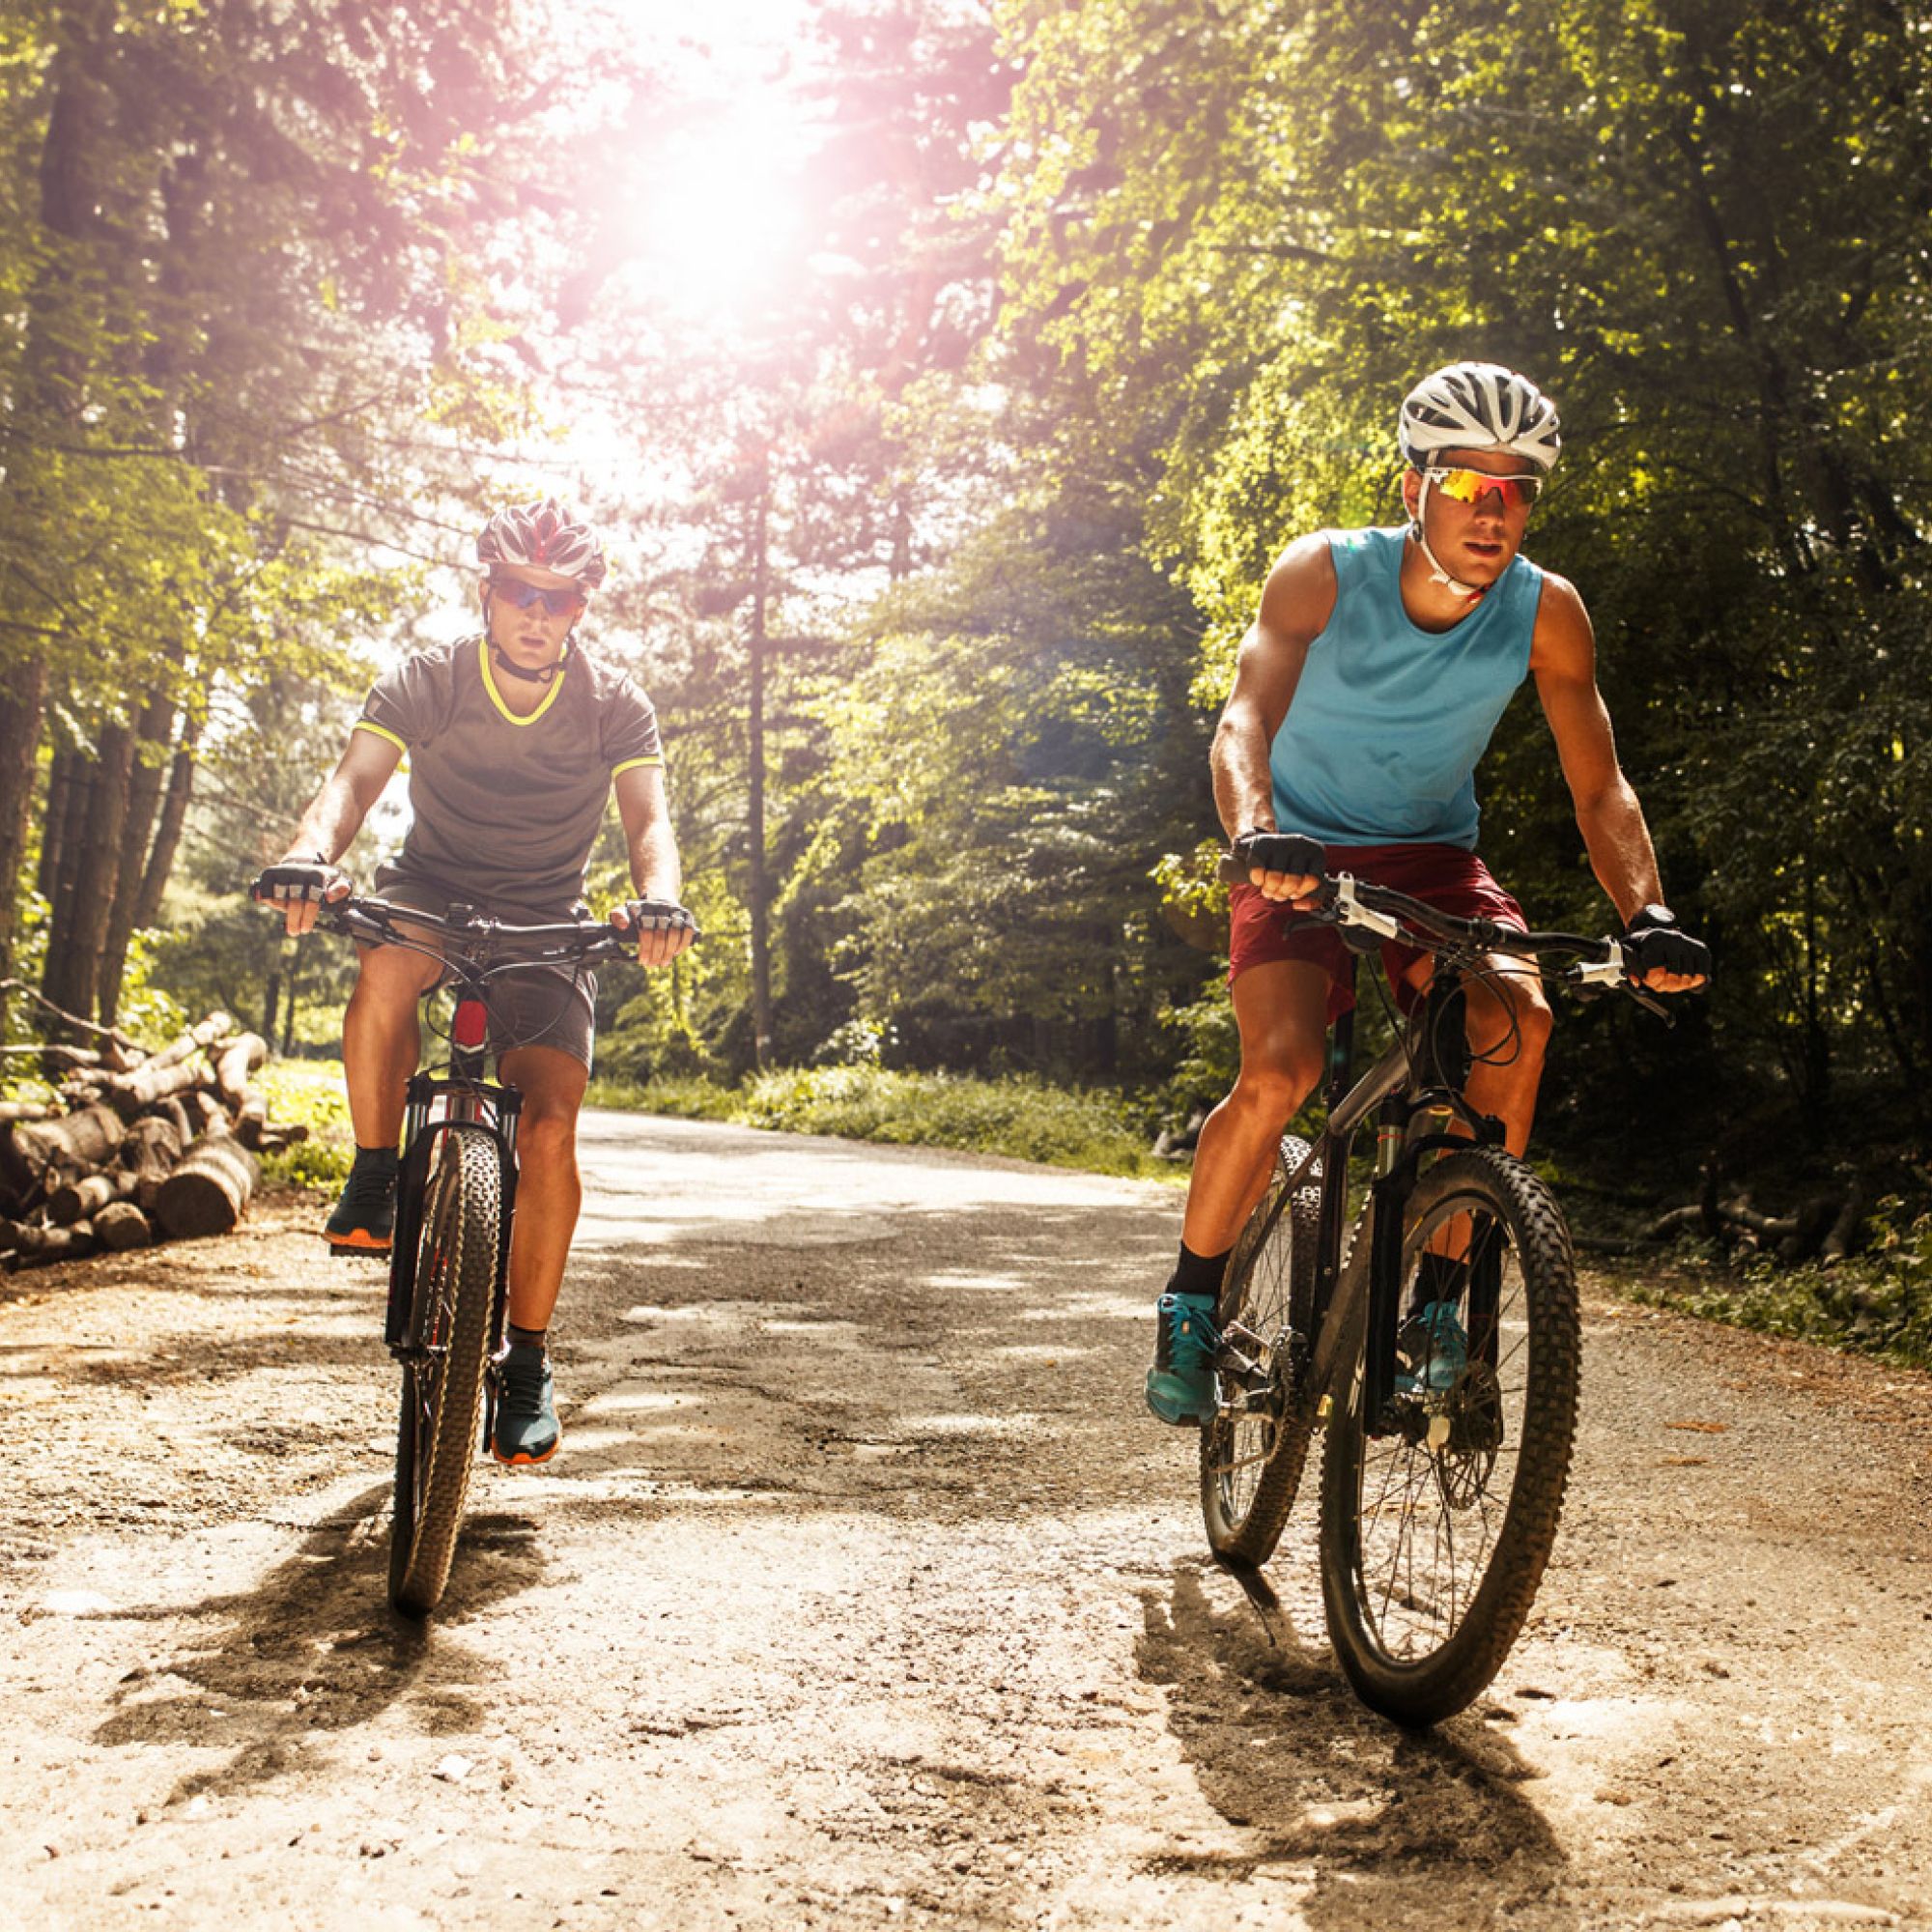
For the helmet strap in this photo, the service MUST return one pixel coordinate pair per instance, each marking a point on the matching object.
(1469, 592)
(543, 673)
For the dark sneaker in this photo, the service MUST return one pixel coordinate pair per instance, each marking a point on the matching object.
(1181, 1384)
(365, 1216)
(526, 1429)
(1432, 1350)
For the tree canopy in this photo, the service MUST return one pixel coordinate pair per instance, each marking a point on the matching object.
(944, 474)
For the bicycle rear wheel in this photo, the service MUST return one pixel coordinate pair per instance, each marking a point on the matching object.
(1438, 1515)
(1253, 1452)
(448, 1331)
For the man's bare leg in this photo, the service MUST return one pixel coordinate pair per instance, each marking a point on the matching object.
(1281, 1009)
(381, 1041)
(549, 1189)
(548, 1194)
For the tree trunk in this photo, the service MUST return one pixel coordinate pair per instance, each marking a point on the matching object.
(206, 1194)
(760, 893)
(49, 393)
(53, 819)
(144, 793)
(78, 927)
(121, 1226)
(167, 829)
(73, 1144)
(20, 713)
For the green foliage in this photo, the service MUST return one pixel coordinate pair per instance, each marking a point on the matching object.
(1023, 1119)
(1234, 237)
(1877, 1304)
(309, 1092)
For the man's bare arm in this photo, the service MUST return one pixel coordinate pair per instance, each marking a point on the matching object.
(655, 873)
(1563, 658)
(335, 814)
(1296, 603)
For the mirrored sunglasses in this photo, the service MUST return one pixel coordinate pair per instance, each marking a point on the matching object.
(1471, 486)
(562, 603)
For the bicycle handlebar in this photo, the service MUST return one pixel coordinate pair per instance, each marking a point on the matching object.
(1343, 900)
(478, 938)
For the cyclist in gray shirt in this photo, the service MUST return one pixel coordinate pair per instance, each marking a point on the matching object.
(516, 741)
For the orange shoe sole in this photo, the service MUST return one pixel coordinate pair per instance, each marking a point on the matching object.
(522, 1461)
(359, 1243)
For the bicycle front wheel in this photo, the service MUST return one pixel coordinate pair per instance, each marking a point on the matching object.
(1438, 1515)
(1253, 1452)
(448, 1338)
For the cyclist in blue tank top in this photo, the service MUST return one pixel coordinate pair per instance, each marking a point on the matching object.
(1366, 692)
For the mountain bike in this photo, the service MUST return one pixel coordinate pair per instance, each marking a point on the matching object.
(1437, 1347)
(456, 1198)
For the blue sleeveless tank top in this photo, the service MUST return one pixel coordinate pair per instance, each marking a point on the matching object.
(1381, 743)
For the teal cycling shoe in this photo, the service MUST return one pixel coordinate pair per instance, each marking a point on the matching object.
(1432, 1350)
(526, 1429)
(1181, 1386)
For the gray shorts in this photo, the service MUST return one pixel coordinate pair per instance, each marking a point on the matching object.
(535, 1006)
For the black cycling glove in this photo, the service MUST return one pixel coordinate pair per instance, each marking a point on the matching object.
(1289, 852)
(657, 916)
(298, 879)
(1654, 942)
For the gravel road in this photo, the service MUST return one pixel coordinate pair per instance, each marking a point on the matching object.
(865, 1594)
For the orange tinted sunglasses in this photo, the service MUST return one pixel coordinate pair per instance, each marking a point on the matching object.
(1471, 486)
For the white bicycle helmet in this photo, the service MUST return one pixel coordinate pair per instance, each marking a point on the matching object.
(543, 537)
(1473, 405)
(1479, 406)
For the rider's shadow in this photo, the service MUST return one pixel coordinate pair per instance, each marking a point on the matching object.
(281, 1669)
(1388, 1820)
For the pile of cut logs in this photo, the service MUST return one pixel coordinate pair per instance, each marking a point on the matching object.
(138, 1146)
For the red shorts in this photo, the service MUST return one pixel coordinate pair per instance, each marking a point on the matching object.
(1446, 877)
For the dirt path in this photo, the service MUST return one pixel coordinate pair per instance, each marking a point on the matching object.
(865, 1595)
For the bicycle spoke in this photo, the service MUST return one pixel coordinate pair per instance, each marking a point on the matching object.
(1438, 1514)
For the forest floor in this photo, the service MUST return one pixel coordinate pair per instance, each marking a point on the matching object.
(864, 1593)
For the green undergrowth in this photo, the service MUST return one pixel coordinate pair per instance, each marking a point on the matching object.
(1024, 1119)
(309, 1092)
(1878, 1303)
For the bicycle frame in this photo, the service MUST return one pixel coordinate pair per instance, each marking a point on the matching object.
(471, 1104)
(1411, 1114)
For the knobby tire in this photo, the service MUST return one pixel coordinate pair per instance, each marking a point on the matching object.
(1431, 1555)
(442, 1388)
(1253, 1452)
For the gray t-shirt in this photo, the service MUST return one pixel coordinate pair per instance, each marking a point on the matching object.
(507, 806)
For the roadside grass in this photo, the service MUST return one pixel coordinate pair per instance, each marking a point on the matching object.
(310, 1092)
(1023, 1119)
(1866, 1307)
(1878, 1303)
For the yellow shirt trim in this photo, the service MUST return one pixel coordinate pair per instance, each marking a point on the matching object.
(364, 725)
(496, 696)
(632, 764)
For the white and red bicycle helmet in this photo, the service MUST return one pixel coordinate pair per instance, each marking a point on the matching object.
(543, 536)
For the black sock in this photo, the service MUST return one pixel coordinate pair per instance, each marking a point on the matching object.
(1436, 1278)
(378, 1155)
(524, 1338)
(1199, 1274)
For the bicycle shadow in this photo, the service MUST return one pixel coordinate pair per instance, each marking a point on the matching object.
(1392, 1825)
(276, 1673)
